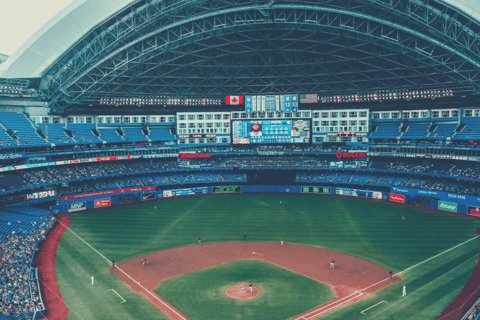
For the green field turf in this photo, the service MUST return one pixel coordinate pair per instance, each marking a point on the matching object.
(284, 294)
(366, 229)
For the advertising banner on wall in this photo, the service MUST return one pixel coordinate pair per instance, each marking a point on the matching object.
(377, 195)
(77, 206)
(148, 196)
(294, 103)
(100, 193)
(474, 210)
(99, 203)
(248, 104)
(41, 195)
(397, 197)
(226, 189)
(447, 206)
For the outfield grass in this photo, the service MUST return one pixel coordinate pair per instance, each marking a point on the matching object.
(284, 294)
(366, 229)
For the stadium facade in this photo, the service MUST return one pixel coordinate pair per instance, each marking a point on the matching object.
(117, 101)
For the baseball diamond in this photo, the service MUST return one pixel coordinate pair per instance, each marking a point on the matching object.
(240, 160)
(356, 283)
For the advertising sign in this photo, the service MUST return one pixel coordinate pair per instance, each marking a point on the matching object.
(377, 195)
(447, 206)
(397, 197)
(288, 103)
(226, 189)
(474, 211)
(248, 104)
(295, 103)
(99, 203)
(184, 192)
(99, 193)
(77, 206)
(148, 196)
(41, 195)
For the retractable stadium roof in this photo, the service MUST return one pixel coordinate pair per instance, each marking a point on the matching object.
(101, 48)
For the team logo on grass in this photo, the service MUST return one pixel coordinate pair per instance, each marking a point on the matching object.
(447, 206)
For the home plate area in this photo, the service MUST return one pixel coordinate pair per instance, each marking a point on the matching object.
(352, 279)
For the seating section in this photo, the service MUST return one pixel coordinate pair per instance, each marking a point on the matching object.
(21, 229)
(55, 133)
(364, 178)
(160, 134)
(444, 130)
(21, 127)
(134, 134)
(109, 135)
(470, 131)
(83, 132)
(233, 177)
(387, 131)
(416, 130)
(5, 139)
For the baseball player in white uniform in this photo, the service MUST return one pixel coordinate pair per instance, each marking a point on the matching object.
(404, 291)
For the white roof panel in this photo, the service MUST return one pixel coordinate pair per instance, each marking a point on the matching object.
(57, 35)
(470, 7)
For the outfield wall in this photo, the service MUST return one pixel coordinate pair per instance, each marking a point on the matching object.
(444, 201)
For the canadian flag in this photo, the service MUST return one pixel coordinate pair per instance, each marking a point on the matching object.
(234, 99)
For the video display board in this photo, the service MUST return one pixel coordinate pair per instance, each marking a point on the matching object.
(184, 192)
(271, 131)
(359, 193)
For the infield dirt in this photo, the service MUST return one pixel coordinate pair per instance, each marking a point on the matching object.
(351, 274)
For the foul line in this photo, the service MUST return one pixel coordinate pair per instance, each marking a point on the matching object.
(362, 312)
(436, 255)
(332, 305)
(356, 294)
(396, 274)
(148, 291)
(422, 287)
(118, 295)
(58, 298)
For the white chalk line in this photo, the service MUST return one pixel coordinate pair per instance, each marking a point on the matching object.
(333, 306)
(138, 283)
(59, 299)
(409, 295)
(118, 295)
(396, 274)
(362, 312)
(356, 292)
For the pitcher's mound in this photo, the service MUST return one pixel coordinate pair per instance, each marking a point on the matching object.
(242, 291)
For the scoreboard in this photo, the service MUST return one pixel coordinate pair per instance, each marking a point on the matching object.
(271, 131)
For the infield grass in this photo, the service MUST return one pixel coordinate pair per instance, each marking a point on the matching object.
(283, 293)
(365, 229)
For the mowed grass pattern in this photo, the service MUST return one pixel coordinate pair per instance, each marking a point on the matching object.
(284, 294)
(366, 229)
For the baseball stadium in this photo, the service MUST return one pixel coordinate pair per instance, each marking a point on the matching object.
(226, 160)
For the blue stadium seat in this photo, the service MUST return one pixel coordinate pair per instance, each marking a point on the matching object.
(83, 132)
(22, 128)
(55, 133)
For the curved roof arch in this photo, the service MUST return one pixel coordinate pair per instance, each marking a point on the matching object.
(96, 48)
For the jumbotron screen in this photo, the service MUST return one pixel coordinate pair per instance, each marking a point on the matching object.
(271, 131)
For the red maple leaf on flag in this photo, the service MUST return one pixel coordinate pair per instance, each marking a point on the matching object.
(234, 99)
